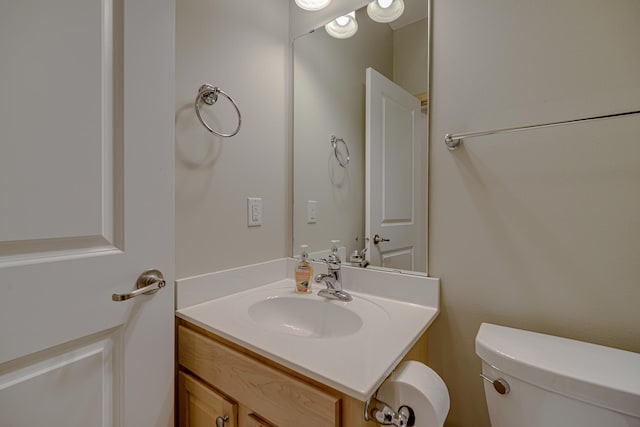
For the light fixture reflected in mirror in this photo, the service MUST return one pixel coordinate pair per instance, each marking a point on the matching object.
(312, 5)
(343, 27)
(385, 10)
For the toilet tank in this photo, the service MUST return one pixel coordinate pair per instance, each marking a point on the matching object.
(557, 382)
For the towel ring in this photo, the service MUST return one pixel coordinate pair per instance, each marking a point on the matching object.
(209, 95)
(334, 144)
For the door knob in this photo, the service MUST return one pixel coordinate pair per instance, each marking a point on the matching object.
(220, 421)
(149, 282)
(377, 239)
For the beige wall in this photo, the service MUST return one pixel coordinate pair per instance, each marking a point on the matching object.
(241, 46)
(410, 52)
(540, 229)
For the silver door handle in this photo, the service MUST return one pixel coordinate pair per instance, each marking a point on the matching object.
(220, 421)
(149, 282)
(377, 239)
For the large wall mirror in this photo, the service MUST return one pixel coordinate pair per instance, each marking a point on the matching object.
(360, 140)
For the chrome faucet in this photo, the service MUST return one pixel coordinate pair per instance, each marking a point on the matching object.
(333, 280)
(358, 258)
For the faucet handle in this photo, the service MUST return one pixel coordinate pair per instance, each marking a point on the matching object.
(333, 255)
(332, 259)
(332, 262)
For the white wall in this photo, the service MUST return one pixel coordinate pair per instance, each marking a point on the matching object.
(328, 99)
(241, 46)
(539, 229)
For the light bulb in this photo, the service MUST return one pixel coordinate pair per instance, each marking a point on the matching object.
(343, 20)
(312, 5)
(343, 27)
(385, 11)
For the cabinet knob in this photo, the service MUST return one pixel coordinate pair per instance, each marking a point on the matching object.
(221, 420)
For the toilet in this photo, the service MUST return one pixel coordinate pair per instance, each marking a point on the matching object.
(536, 380)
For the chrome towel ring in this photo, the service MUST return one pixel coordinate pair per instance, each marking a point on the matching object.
(339, 156)
(209, 95)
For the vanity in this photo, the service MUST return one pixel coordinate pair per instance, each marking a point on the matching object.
(251, 352)
(218, 380)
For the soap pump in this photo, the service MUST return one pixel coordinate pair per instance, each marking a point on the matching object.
(304, 272)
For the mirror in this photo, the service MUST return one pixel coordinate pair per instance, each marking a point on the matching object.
(360, 140)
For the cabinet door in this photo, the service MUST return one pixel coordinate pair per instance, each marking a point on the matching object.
(200, 406)
(282, 399)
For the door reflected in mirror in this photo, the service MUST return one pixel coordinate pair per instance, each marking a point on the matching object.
(360, 138)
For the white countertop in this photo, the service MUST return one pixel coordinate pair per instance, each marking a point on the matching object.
(355, 364)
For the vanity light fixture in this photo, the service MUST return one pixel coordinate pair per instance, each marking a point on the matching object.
(385, 10)
(312, 5)
(343, 27)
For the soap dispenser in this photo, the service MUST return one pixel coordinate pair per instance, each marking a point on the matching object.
(304, 272)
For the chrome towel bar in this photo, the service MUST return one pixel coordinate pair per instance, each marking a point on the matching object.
(453, 140)
(209, 95)
(342, 161)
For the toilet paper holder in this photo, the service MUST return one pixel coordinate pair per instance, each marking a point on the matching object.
(383, 414)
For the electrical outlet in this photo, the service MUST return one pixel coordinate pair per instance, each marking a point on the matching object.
(254, 211)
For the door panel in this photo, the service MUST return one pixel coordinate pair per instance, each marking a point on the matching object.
(398, 150)
(401, 259)
(58, 99)
(57, 170)
(83, 368)
(395, 188)
(86, 205)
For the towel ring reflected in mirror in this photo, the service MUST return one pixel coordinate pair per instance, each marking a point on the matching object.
(209, 95)
(339, 156)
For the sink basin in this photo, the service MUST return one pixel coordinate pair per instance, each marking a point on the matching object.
(305, 317)
(323, 339)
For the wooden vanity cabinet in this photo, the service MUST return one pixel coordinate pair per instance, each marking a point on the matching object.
(200, 406)
(218, 378)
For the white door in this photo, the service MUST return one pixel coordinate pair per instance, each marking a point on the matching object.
(86, 204)
(395, 182)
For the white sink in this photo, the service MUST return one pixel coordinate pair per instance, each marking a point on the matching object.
(305, 317)
(349, 346)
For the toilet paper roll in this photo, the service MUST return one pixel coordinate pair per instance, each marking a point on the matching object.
(416, 385)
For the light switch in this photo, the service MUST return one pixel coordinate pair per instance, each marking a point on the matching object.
(254, 211)
(312, 211)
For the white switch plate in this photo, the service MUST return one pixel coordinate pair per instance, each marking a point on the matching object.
(254, 211)
(312, 211)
